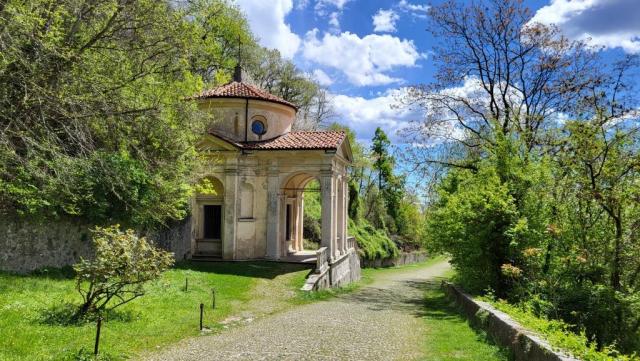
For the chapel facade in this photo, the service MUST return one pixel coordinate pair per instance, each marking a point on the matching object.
(258, 168)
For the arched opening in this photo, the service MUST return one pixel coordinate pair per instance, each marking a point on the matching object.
(301, 217)
(208, 217)
(312, 216)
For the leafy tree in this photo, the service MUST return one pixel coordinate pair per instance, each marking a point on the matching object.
(541, 211)
(390, 185)
(496, 73)
(410, 222)
(123, 263)
(94, 122)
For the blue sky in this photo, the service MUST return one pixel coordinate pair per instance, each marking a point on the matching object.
(366, 51)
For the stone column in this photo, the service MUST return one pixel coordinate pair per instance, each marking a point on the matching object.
(273, 212)
(340, 216)
(328, 223)
(230, 209)
(345, 207)
(300, 220)
(334, 213)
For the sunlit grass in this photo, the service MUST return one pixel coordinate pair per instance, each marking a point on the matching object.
(166, 314)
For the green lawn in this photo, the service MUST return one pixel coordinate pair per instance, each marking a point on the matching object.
(165, 315)
(449, 335)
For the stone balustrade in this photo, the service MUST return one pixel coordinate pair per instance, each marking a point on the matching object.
(322, 259)
(351, 242)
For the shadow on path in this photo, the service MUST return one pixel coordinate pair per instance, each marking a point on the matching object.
(254, 269)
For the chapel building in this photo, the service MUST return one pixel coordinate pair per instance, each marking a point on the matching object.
(259, 168)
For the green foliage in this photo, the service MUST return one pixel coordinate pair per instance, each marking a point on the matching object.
(92, 104)
(391, 186)
(355, 204)
(86, 355)
(372, 243)
(312, 222)
(410, 223)
(123, 263)
(559, 334)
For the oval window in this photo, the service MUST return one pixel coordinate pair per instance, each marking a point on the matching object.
(258, 127)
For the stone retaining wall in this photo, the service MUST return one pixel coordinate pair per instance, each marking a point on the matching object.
(524, 344)
(27, 245)
(403, 259)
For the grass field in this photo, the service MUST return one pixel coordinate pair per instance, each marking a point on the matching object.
(29, 306)
(449, 335)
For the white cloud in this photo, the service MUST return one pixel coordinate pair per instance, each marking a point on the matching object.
(301, 4)
(365, 114)
(321, 77)
(385, 21)
(331, 9)
(334, 22)
(415, 9)
(335, 3)
(364, 61)
(602, 23)
(267, 22)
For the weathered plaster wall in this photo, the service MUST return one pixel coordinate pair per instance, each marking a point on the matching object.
(251, 218)
(230, 114)
(28, 245)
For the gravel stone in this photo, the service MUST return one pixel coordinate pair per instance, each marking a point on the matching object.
(381, 321)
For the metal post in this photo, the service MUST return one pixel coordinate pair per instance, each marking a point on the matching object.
(213, 298)
(201, 313)
(186, 284)
(98, 326)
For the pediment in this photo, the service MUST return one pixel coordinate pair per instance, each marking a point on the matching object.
(344, 150)
(212, 143)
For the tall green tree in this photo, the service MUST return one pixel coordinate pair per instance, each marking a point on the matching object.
(92, 111)
(391, 186)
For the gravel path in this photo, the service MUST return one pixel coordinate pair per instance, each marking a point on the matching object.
(378, 322)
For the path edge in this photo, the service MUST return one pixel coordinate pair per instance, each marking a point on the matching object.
(524, 344)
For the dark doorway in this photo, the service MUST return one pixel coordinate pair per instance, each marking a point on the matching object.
(288, 223)
(212, 221)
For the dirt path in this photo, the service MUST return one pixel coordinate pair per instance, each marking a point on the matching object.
(382, 321)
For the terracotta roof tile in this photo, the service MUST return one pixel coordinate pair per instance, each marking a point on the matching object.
(236, 89)
(300, 140)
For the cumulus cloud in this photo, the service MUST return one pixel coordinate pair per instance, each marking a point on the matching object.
(267, 22)
(385, 21)
(334, 22)
(417, 10)
(364, 61)
(602, 23)
(327, 3)
(365, 114)
(321, 77)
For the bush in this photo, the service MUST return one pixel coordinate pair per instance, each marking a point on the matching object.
(123, 263)
(372, 243)
(559, 334)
